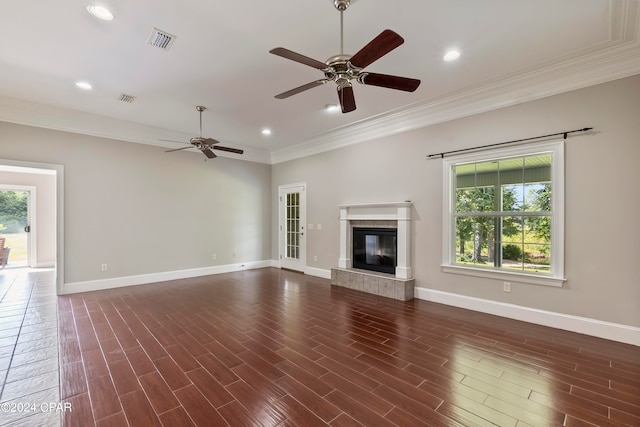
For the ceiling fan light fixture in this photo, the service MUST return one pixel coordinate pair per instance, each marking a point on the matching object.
(100, 12)
(451, 55)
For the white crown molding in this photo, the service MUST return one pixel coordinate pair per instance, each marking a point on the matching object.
(39, 115)
(611, 64)
(616, 63)
(617, 58)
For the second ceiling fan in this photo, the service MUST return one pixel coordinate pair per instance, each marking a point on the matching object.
(343, 68)
(205, 144)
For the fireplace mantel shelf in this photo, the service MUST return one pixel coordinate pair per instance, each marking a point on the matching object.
(377, 204)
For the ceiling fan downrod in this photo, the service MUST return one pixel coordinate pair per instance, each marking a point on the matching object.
(341, 5)
(200, 109)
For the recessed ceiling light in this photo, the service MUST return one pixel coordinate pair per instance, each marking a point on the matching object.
(84, 85)
(452, 55)
(331, 108)
(266, 131)
(100, 12)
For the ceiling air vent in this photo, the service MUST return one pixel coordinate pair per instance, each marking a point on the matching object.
(126, 98)
(160, 39)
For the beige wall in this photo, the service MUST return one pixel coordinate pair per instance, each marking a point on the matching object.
(143, 211)
(45, 211)
(602, 199)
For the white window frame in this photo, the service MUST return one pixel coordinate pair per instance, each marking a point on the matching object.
(556, 275)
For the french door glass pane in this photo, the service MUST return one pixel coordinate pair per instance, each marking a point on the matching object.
(292, 210)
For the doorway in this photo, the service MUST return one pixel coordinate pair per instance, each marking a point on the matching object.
(17, 224)
(292, 209)
(47, 206)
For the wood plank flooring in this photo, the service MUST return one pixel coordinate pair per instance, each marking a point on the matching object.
(271, 347)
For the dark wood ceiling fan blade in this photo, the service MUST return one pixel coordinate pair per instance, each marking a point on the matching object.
(392, 82)
(288, 54)
(178, 149)
(347, 99)
(384, 43)
(302, 88)
(210, 154)
(230, 150)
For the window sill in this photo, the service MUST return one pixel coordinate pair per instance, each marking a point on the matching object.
(505, 275)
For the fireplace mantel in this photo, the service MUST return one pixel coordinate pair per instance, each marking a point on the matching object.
(400, 212)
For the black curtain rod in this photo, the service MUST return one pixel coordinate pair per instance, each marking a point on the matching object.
(564, 134)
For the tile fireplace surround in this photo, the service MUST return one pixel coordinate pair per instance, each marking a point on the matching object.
(394, 215)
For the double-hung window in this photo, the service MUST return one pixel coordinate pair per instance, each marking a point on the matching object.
(504, 214)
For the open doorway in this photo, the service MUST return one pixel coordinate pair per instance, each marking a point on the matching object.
(17, 208)
(36, 236)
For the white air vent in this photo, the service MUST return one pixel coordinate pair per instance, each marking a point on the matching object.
(160, 39)
(126, 98)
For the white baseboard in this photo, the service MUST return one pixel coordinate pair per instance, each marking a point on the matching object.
(49, 264)
(119, 282)
(598, 328)
(318, 272)
(583, 325)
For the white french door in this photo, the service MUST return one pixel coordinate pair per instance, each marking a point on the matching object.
(292, 220)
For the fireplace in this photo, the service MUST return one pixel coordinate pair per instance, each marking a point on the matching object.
(377, 215)
(375, 249)
(376, 237)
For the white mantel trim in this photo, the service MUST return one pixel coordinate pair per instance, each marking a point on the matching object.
(378, 204)
(378, 212)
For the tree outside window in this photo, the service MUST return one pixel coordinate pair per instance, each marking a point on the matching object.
(503, 213)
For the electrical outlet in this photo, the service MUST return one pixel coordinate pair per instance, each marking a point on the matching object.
(315, 258)
(310, 227)
(214, 257)
(319, 227)
(104, 267)
(506, 286)
(233, 255)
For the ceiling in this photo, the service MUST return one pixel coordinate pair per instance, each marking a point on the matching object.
(512, 51)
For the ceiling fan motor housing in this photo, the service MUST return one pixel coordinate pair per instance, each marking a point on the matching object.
(341, 5)
(340, 70)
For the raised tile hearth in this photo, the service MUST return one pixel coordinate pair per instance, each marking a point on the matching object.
(385, 285)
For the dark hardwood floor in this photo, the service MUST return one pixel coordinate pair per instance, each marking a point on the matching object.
(272, 347)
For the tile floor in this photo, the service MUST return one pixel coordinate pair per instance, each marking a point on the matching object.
(29, 372)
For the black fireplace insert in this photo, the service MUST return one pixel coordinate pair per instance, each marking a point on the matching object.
(375, 249)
